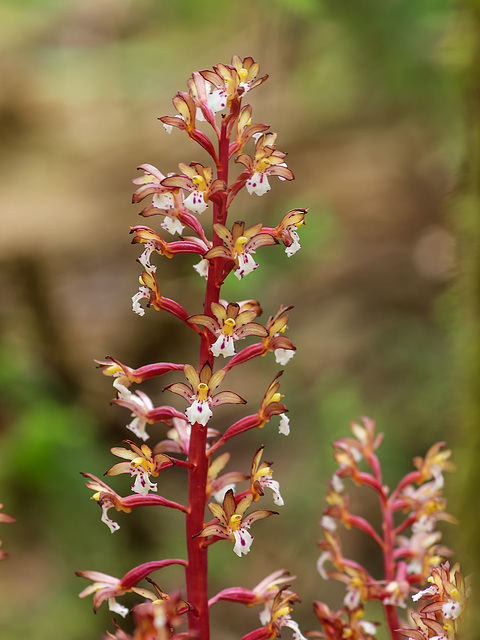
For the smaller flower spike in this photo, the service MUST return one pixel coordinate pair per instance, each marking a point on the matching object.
(199, 393)
(232, 523)
(239, 245)
(230, 324)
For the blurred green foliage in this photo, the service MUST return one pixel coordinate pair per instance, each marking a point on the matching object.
(366, 99)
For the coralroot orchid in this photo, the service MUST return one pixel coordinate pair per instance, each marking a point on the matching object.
(239, 245)
(214, 98)
(230, 324)
(408, 559)
(232, 523)
(242, 154)
(261, 476)
(199, 393)
(143, 464)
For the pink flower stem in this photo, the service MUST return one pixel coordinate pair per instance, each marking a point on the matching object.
(389, 564)
(197, 568)
(388, 545)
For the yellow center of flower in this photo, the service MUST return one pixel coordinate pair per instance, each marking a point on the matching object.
(242, 74)
(284, 611)
(262, 165)
(228, 327)
(276, 397)
(263, 472)
(356, 582)
(112, 369)
(229, 85)
(199, 182)
(145, 464)
(239, 244)
(235, 522)
(202, 391)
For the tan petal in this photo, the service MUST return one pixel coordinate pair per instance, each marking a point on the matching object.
(216, 379)
(218, 512)
(227, 397)
(192, 376)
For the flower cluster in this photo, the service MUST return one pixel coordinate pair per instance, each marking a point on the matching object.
(441, 618)
(214, 100)
(408, 542)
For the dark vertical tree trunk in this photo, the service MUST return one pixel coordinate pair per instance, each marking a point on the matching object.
(466, 213)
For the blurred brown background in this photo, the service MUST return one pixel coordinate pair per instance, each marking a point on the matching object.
(367, 98)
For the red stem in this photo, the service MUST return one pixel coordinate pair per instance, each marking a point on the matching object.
(197, 569)
(196, 573)
(388, 546)
(390, 610)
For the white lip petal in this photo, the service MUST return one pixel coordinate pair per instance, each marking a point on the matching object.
(224, 345)
(199, 412)
(258, 184)
(246, 264)
(243, 541)
(195, 202)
